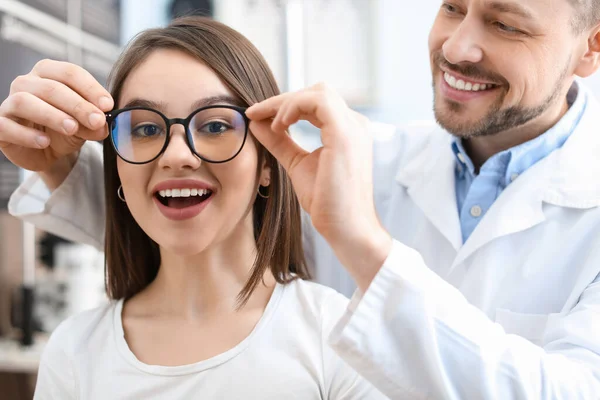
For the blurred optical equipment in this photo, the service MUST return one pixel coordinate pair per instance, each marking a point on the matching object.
(191, 7)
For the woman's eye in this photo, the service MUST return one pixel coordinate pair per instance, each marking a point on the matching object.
(147, 130)
(215, 128)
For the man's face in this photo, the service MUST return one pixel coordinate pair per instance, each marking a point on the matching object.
(499, 65)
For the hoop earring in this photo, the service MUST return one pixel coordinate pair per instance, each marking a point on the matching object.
(120, 194)
(262, 195)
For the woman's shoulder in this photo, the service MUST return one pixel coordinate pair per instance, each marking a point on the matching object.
(318, 300)
(318, 310)
(76, 332)
(315, 291)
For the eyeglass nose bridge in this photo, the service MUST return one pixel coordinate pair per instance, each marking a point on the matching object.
(178, 121)
(186, 127)
(185, 122)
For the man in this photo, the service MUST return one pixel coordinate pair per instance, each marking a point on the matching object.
(490, 287)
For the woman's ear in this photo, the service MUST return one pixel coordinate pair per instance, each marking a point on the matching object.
(265, 174)
(590, 61)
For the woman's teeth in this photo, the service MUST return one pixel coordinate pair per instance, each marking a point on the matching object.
(183, 192)
(460, 84)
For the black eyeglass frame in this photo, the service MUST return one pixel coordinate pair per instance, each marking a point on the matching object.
(169, 123)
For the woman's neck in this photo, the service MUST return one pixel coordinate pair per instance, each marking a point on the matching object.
(207, 284)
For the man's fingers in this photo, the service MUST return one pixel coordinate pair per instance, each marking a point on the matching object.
(93, 134)
(26, 106)
(266, 108)
(78, 79)
(62, 97)
(279, 144)
(316, 106)
(294, 110)
(13, 133)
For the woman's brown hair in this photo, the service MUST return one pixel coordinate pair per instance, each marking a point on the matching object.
(133, 258)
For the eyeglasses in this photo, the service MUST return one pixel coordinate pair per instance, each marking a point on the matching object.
(216, 133)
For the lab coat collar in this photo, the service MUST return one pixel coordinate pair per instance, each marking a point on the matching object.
(575, 179)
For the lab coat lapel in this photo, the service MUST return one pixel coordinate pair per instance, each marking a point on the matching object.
(430, 182)
(518, 208)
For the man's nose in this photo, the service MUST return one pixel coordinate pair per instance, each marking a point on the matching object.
(463, 45)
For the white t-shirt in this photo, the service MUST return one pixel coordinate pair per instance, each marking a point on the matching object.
(285, 357)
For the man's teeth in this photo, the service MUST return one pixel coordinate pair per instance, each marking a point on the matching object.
(459, 84)
(183, 192)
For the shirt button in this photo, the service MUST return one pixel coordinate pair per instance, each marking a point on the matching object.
(476, 211)
(462, 158)
(514, 177)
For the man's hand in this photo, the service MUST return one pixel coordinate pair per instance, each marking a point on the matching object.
(335, 182)
(49, 114)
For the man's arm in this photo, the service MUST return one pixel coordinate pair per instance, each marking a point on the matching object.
(414, 334)
(59, 171)
(37, 134)
(74, 209)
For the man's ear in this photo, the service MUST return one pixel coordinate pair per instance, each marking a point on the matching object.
(590, 61)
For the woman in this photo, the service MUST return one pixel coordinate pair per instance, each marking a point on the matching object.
(204, 259)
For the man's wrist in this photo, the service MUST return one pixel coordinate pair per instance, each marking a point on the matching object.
(364, 255)
(54, 176)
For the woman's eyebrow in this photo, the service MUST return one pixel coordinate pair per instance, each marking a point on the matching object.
(137, 102)
(203, 102)
(215, 100)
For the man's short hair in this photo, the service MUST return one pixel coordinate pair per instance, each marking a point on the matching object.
(587, 14)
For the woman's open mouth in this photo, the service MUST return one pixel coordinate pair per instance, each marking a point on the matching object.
(182, 198)
(181, 204)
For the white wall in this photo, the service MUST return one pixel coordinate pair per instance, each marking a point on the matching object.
(137, 15)
(594, 83)
(403, 72)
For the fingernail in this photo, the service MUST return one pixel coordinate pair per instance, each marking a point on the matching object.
(69, 126)
(96, 119)
(42, 141)
(105, 103)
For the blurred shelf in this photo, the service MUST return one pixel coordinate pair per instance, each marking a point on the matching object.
(18, 359)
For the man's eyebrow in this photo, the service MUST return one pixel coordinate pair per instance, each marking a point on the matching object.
(510, 8)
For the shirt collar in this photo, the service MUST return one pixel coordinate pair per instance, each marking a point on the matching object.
(511, 163)
(464, 165)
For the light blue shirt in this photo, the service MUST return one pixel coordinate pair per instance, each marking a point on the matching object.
(475, 193)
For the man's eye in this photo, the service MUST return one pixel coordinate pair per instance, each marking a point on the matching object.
(506, 28)
(449, 8)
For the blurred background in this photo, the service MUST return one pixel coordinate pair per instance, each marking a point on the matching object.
(374, 52)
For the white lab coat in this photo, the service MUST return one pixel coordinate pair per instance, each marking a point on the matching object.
(514, 313)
